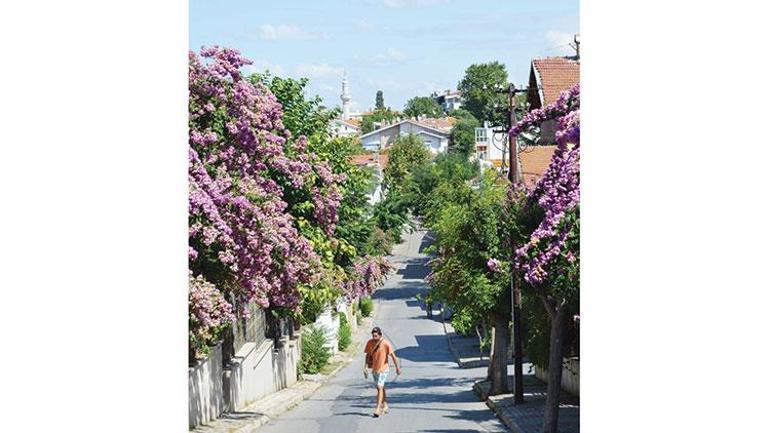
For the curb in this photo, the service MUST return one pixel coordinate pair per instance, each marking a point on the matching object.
(462, 364)
(501, 415)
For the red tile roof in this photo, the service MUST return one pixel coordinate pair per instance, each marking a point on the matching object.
(354, 122)
(362, 159)
(369, 158)
(442, 123)
(534, 162)
(556, 74)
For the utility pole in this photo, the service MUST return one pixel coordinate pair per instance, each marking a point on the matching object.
(576, 46)
(514, 176)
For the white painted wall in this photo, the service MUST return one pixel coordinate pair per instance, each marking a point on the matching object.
(492, 142)
(254, 372)
(206, 399)
(435, 142)
(330, 324)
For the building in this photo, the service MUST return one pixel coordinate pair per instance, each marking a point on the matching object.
(492, 151)
(449, 100)
(548, 77)
(377, 162)
(491, 145)
(344, 128)
(436, 139)
(349, 124)
(346, 101)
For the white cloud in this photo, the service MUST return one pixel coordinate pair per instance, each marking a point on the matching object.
(559, 39)
(262, 66)
(391, 55)
(325, 87)
(384, 84)
(270, 32)
(365, 25)
(318, 70)
(403, 3)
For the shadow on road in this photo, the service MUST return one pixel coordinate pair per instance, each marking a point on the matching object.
(430, 348)
(415, 269)
(427, 241)
(404, 290)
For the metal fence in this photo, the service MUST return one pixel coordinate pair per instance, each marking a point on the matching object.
(260, 326)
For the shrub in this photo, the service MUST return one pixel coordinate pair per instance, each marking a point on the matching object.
(315, 354)
(209, 315)
(367, 306)
(359, 318)
(344, 335)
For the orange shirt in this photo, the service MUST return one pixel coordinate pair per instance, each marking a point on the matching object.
(380, 356)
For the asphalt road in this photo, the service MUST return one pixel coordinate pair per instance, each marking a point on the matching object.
(432, 394)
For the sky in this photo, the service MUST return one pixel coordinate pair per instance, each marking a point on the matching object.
(405, 48)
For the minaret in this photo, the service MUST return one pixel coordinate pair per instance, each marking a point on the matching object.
(345, 96)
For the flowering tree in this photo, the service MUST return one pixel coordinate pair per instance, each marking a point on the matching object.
(550, 260)
(353, 235)
(209, 314)
(368, 273)
(245, 173)
(263, 202)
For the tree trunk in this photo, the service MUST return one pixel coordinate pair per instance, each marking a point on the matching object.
(500, 360)
(491, 366)
(558, 313)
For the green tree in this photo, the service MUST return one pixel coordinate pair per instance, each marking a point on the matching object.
(423, 105)
(469, 231)
(483, 89)
(381, 115)
(462, 139)
(448, 170)
(407, 153)
(354, 235)
(301, 115)
(379, 101)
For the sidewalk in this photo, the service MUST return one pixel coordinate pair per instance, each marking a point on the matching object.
(524, 418)
(528, 417)
(465, 348)
(259, 413)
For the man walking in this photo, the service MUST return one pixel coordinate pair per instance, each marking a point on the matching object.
(377, 351)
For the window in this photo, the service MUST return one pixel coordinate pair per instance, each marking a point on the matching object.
(481, 135)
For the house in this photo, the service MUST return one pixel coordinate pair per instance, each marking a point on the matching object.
(344, 128)
(377, 162)
(492, 150)
(491, 145)
(548, 77)
(436, 138)
(448, 100)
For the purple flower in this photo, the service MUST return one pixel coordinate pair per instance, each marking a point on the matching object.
(494, 265)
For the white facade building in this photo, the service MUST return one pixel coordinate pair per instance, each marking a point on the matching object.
(491, 147)
(435, 140)
(343, 128)
(449, 100)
